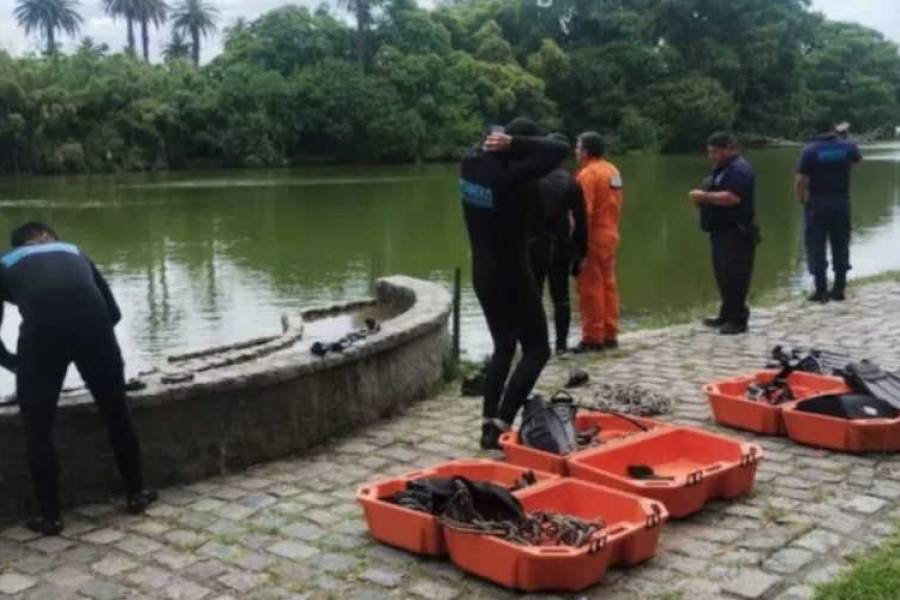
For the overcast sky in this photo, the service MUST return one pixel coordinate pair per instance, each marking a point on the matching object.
(883, 15)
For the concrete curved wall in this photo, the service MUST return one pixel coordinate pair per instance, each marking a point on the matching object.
(229, 418)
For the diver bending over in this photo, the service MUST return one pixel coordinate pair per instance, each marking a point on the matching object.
(68, 315)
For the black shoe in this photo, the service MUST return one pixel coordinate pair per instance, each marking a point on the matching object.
(490, 436)
(733, 329)
(45, 526)
(714, 322)
(820, 296)
(138, 503)
(585, 347)
(562, 349)
(577, 378)
(837, 294)
(611, 344)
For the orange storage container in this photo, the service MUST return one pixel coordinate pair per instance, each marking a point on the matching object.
(823, 431)
(701, 467)
(631, 536)
(731, 407)
(417, 531)
(611, 426)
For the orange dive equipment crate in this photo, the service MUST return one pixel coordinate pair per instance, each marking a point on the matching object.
(689, 467)
(417, 531)
(611, 426)
(845, 435)
(630, 536)
(731, 407)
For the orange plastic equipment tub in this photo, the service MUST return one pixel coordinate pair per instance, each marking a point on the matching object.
(731, 407)
(611, 425)
(823, 431)
(417, 531)
(631, 536)
(702, 467)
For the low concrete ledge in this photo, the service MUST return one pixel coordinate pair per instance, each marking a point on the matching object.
(229, 418)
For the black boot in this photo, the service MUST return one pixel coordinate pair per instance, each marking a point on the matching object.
(840, 285)
(135, 504)
(821, 293)
(490, 434)
(45, 525)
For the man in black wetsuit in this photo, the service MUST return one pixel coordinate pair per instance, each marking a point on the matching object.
(68, 315)
(559, 242)
(499, 193)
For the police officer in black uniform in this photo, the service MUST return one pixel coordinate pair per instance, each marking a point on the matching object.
(499, 197)
(68, 315)
(822, 185)
(559, 242)
(727, 214)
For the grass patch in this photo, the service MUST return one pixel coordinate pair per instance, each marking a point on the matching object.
(874, 576)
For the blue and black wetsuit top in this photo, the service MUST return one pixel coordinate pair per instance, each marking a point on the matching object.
(56, 287)
(499, 194)
(827, 161)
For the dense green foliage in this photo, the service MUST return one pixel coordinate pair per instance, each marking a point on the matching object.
(406, 84)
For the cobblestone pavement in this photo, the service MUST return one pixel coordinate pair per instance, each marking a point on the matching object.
(291, 529)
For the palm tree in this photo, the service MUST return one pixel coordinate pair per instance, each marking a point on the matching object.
(48, 17)
(177, 48)
(196, 19)
(127, 10)
(147, 12)
(362, 10)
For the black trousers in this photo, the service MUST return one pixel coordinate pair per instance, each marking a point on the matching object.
(827, 221)
(551, 260)
(44, 356)
(733, 250)
(515, 317)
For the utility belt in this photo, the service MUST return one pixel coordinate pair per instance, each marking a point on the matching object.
(750, 231)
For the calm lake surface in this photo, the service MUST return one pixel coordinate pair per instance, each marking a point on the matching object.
(200, 259)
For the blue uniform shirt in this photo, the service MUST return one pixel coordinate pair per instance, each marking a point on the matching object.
(735, 176)
(827, 161)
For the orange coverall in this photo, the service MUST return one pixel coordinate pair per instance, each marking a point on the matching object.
(598, 293)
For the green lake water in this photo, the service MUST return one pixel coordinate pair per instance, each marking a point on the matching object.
(200, 259)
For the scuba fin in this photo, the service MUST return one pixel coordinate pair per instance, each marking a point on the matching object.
(867, 378)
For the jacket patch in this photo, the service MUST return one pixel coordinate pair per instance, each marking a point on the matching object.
(615, 182)
(476, 195)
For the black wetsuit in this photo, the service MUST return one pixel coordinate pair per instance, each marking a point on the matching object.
(68, 315)
(499, 193)
(556, 245)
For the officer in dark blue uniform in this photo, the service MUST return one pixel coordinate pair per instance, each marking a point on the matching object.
(68, 315)
(727, 213)
(823, 188)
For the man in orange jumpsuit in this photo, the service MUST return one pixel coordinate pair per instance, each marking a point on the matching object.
(598, 293)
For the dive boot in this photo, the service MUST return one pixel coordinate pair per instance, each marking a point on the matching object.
(490, 434)
(45, 526)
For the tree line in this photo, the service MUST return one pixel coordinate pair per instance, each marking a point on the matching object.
(406, 84)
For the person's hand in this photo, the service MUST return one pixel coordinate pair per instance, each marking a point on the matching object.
(696, 196)
(497, 142)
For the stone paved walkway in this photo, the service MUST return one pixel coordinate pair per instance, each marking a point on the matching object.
(291, 529)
